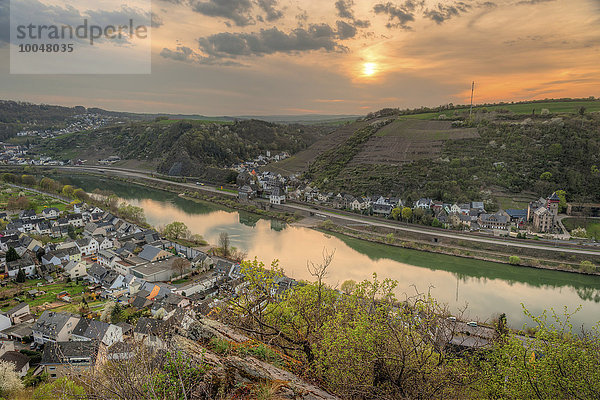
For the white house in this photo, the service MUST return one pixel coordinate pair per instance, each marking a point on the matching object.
(76, 269)
(87, 246)
(51, 212)
(277, 197)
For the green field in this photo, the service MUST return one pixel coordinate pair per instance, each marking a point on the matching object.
(74, 290)
(592, 226)
(38, 201)
(555, 107)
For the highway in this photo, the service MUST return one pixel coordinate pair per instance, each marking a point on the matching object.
(348, 218)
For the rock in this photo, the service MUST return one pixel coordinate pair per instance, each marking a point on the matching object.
(205, 329)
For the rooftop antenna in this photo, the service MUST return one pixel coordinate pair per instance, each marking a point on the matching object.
(472, 91)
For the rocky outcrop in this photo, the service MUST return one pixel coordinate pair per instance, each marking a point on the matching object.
(232, 371)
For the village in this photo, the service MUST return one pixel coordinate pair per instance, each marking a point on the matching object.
(540, 218)
(100, 282)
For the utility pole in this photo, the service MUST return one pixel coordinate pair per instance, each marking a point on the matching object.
(472, 91)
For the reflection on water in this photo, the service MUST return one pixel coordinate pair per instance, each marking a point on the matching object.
(487, 288)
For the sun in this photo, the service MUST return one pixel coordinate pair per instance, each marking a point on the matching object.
(369, 69)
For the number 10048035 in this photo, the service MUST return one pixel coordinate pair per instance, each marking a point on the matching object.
(46, 48)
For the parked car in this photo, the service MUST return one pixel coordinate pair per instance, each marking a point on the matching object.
(472, 324)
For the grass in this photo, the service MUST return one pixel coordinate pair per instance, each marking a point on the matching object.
(227, 190)
(525, 108)
(38, 201)
(181, 281)
(592, 226)
(508, 202)
(52, 290)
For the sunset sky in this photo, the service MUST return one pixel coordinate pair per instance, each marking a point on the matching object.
(275, 57)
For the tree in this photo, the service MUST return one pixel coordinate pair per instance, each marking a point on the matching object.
(62, 389)
(176, 230)
(10, 383)
(180, 266)
(68, 191)
(71, 231)
(556, 363)
(28, 180)
(546, 176)
(18, 203)
(20, 276)
(80, 194)
(396, 213)
(12, 255)
(116, 314)
(348, 286)
(418, 214)
(224, 243)
(407, 214)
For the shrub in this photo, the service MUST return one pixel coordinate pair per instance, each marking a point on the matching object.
(514, 260)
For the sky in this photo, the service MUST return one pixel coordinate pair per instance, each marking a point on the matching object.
(283, 57)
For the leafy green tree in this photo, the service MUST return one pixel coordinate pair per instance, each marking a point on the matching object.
(546, 176)
(12, 255)
(396, 213)
(556, 363)
(61, 389)
(407, 214)
(68, 191)
(514, 260)
(176, 230)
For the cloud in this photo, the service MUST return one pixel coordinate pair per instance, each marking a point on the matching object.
(268, 6)
(273, 40)
(185, 54)
(398, 15)
(344, 9)
(524, 2)
(444, 12)
(237, 11)
(345, 30)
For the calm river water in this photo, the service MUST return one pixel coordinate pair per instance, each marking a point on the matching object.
(486, 288)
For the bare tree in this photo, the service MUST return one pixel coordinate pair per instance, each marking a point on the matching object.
(224, 243)
(180, 265)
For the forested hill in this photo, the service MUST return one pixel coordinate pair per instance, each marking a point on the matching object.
(184, 147)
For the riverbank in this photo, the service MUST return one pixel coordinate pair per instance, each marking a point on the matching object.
(533, 258)
(394, 240)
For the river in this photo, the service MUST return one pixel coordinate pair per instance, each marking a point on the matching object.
(485, 288)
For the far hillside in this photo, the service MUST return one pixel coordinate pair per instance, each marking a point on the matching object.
(506, 156)
(186, 147)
